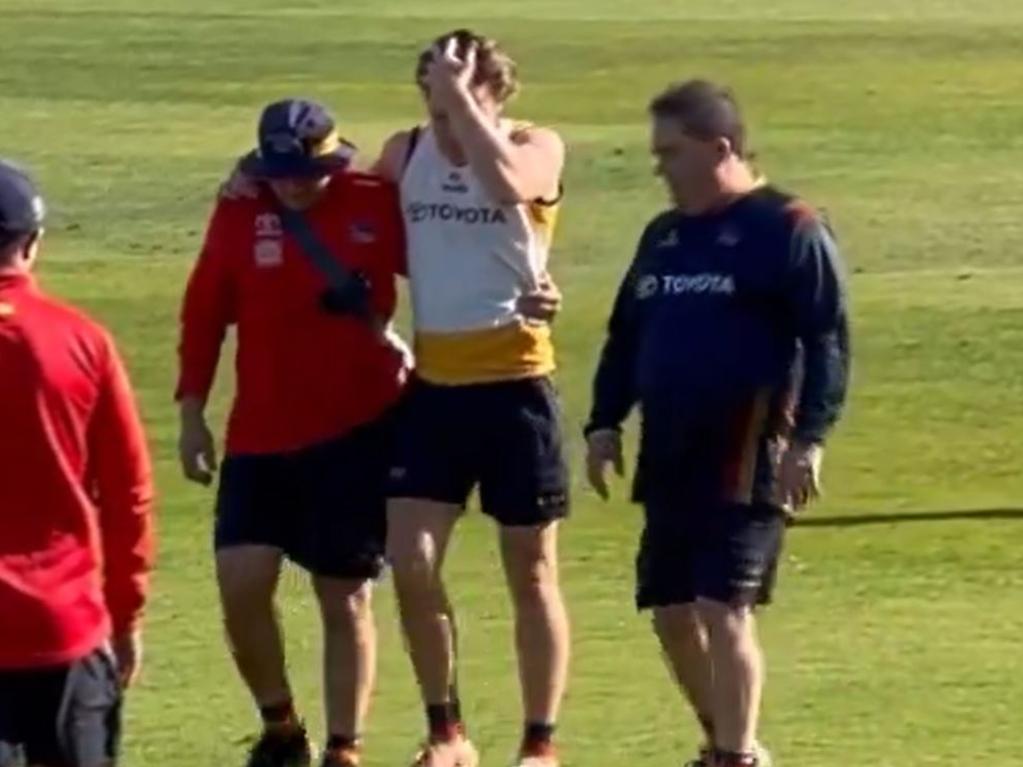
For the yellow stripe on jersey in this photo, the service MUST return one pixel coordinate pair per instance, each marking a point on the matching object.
(544, 217)
(544, 213)
(518, 350)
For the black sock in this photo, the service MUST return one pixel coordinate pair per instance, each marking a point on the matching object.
(538, 732)
(343, 741)
(279, 713)
(444, 720)
(538, 738)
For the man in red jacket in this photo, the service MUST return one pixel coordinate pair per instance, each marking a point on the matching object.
(75, 526)
(305, 270)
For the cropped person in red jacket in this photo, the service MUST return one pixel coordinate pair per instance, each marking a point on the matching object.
(308, 440)
(75, 526)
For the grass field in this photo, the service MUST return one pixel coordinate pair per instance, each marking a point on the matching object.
(896, 637)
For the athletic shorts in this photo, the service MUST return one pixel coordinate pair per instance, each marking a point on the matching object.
(323, 506)
(728, 556)
(713, 530)
(61, 716)
(503, 438)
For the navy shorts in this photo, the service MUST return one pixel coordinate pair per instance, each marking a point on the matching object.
(713, 530)
(61, 716)
(323, 506)
(504, 438)
(728, 555)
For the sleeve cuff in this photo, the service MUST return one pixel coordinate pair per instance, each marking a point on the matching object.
(185, 391)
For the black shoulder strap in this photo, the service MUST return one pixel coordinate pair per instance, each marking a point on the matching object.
(316, 253)
(413, 141)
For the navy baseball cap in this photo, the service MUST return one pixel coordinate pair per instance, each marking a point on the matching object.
(297, 138)
(21, 206)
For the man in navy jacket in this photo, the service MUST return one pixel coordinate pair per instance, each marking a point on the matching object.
(730, 333)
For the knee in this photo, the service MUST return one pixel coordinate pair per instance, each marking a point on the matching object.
(413, 565)
(244, 593)
(347, 611)
(728, 624)
(533, 578)
(412, 549)
(678, 624)
(242, 616)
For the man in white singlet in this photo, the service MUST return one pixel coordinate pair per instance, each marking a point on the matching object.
(479, 194)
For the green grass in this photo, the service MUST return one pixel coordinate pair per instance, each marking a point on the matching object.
(892, 643)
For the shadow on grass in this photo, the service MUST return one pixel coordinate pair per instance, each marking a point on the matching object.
(858, 520)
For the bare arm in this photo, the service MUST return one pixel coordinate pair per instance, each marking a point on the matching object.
(391, 163)
(516, 168)
(523, 166)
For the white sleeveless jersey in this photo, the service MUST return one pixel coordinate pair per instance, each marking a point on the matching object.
(469, 260)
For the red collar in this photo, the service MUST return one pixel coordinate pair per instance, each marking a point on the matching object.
(15, 279)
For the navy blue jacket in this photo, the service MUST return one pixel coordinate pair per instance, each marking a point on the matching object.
(720, 308)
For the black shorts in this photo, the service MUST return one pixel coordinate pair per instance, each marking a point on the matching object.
(324, 506)
(712, 530)
(61, 716)
(503, 437)
(729, 555)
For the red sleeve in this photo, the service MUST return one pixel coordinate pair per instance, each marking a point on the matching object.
(122, 481)
(389, 261)
(207, 310)
(393, 224)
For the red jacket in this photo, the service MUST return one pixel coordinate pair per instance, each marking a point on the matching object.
(75, 484)
(303, 376)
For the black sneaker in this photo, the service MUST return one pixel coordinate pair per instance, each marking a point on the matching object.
(703, 760)
(279, 747)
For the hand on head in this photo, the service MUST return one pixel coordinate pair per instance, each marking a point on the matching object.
(450, 73)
